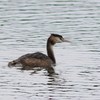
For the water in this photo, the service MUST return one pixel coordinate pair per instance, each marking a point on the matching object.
(24, 27)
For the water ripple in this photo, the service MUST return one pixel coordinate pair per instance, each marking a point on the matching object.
(25, 26)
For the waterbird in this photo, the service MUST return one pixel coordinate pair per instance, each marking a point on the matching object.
(39, 59)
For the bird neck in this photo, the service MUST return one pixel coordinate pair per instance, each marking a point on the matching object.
(50, 51)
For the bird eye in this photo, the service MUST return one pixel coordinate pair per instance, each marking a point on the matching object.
(61, 38)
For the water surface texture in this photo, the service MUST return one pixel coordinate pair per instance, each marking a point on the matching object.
(25, 26)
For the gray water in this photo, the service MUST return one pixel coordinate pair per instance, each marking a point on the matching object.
(25, 26)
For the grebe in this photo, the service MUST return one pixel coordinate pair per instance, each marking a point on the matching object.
(38, 59)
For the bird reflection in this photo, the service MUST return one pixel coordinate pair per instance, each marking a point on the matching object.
(50, 70)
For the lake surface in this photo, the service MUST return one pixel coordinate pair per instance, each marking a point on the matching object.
(25, 26)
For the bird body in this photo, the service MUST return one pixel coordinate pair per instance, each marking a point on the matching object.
(39, 59)
(33, 60)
